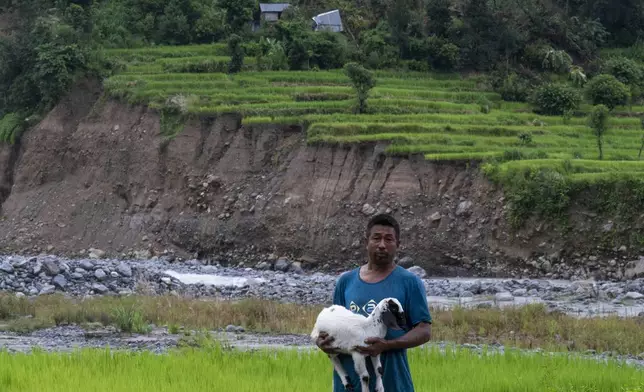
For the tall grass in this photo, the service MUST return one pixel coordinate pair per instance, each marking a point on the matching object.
(501, 119)
(528, 327)
(11, 127)
(573, 166)
(219, 369)
(155, 52)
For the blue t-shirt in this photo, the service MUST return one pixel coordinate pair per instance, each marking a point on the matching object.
(361, 297)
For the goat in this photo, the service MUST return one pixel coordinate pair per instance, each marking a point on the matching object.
(350, 330)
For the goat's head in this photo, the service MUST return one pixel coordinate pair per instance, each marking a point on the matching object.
(392, 314)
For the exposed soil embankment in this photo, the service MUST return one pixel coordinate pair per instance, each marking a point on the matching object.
(97, 174)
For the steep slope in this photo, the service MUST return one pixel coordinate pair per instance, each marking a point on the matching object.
(96, 173)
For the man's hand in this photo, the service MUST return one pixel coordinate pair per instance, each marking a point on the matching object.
(375, 346)
(324, 343)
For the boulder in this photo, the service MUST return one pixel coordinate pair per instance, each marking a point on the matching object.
(504, 297)
(124, 270)
(51, 268)
(406, 262)
(6, 267)
(282, 264)
(418, 271)
(637, 269)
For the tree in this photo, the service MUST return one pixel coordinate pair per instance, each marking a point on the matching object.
(236, 54)
(362, 80)
(439, 18)
(239, 13)
(400, 14)
(599, 124)
(173, 24)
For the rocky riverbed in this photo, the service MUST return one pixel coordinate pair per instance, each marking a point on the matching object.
(158, 340)
(42, 275)
(284, 281)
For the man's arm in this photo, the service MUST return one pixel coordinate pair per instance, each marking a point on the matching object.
(418, 335)
(418, 316)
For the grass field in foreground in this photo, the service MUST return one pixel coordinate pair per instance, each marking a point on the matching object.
(526, 327)
(218, 369)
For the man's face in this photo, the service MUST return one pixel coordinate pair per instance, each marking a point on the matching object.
(382, 244)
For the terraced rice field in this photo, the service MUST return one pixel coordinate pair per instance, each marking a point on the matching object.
(442, 117)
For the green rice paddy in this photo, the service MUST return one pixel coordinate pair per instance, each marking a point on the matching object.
(220, 369)
(442, 117)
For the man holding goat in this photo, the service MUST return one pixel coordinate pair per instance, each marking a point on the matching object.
(361, 289)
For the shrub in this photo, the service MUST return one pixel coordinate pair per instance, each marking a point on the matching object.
(328, 50)
(556, 99)
(442, 54)
(533, 54)
(525, 138)
(362, 81)
(236, 54)
(513, 88)
(416, 65)
(271, 55)
(11, 126)
(377, 48)
(598, 121)
(607, 90)
(545, 193)
(627, 71)
(298, 55)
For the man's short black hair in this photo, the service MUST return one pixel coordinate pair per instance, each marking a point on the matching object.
(384, 220)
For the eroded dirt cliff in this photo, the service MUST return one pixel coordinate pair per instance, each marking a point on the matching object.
(96, 173)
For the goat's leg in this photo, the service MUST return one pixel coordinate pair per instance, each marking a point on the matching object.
(360, 364)
(337, 365)
(377, 366)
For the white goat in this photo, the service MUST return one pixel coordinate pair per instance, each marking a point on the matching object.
(350, 330)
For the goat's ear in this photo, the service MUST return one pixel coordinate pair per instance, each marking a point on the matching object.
(389, 319)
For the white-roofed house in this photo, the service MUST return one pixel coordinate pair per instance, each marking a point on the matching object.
(328, 21)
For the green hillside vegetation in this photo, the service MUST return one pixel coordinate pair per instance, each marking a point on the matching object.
(444, 117)
(511, 84)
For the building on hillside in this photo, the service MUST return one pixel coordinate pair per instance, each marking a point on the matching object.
(269, 12)
(328, 21)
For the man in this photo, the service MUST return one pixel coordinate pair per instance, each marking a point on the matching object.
(361, 289)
